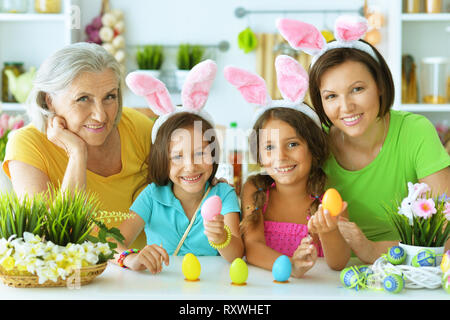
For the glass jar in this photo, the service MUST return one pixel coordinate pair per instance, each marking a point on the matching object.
(433, 6)
(433, 77)
(412, 6)
(17, 69)
(13, 6)
(47, 6)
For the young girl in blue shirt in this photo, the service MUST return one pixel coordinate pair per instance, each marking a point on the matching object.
(182, 163)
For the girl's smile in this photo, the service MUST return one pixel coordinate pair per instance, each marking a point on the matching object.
(284, 155)
(190, 160)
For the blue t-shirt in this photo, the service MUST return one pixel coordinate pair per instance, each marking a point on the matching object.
(166, 222)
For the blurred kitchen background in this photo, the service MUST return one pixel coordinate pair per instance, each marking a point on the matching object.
(171, 35)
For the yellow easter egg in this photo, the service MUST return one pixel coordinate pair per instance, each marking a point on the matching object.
(238, 271)
(445, 263)
(191, 267)
(332, 201)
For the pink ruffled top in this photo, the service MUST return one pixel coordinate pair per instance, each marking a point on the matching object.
(285, 237)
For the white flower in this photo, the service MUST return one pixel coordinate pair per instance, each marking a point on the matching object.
(5, 247)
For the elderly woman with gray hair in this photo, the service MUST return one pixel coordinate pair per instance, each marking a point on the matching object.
(79, 135)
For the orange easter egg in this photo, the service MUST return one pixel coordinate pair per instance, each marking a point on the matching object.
(332, 201)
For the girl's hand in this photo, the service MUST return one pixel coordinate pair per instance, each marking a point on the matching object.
(214, 229)
(151, 258)
(304, 257)
(58, 133)
(323, 222)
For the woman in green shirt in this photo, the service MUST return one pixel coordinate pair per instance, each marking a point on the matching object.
(376, 151)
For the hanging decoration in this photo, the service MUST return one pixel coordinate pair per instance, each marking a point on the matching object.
(247, 40)
(107, 30)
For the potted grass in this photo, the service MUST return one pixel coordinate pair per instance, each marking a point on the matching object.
(187, 57)
(47, 239)
(149, 59)
(422, 221)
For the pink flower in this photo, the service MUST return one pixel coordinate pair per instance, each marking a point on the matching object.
(2, 132)
(424, 208)
(17, 125)
(4, 119)
(447, 210)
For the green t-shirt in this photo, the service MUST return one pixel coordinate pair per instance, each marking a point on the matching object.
(412, 150)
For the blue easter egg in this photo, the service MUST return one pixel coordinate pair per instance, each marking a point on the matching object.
(425, 258)
(281, 269)
(396, 255)
(393, 283)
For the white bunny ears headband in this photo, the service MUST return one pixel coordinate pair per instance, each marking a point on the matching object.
(292, 82)
(193, 95)
(348, 30)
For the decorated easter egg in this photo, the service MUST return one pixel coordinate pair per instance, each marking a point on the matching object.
(396, 255)
(446, 282)
(238, 271)
(425, 258)
(366, 272)
(211, 207)
(352, 278)
(281, 269)
(393, 283)
(332, 201)
(191, 267)
(445, 263)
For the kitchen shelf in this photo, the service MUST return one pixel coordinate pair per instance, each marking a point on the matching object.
(425, 17)
(32, 17)
(11, 106)
(425, 107)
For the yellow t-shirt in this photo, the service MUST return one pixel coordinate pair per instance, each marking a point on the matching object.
(114, 192)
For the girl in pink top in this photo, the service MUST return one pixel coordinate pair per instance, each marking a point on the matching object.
(282, 214)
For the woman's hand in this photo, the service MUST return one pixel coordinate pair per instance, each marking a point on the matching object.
(214, 229)
(323, 222)
(351, 232)
(304, 257)
(58, 133)
(151, 258)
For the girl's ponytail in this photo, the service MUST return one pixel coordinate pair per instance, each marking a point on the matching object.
(262, 183)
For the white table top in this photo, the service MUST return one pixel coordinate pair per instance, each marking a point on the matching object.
(116, 283)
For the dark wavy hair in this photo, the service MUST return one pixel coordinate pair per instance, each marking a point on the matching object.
(317, 142)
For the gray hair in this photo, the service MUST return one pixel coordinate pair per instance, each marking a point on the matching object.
(58, 72)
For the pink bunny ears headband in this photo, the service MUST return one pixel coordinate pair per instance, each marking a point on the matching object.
(292, 81)
(193, 95)
(348, 30)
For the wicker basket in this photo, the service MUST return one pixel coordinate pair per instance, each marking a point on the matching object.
(24, 279)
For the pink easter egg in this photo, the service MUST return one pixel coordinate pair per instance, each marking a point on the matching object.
(211, 207)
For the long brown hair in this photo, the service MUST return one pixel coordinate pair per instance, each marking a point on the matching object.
(158, 159)
(317, 142)
(379, 71)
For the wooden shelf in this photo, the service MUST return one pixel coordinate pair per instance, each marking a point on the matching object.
(425, 107)
(32, 17)
(426, 17)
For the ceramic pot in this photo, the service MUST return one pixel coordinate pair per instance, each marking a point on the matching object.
(411, 251)
(153, 73)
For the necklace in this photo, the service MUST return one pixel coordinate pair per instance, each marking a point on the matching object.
(352, 167)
